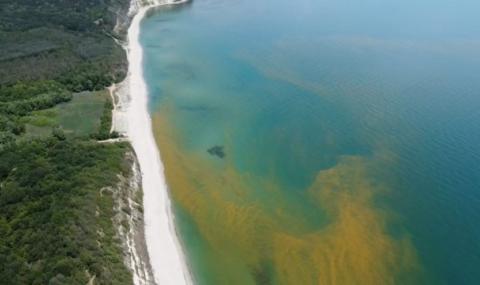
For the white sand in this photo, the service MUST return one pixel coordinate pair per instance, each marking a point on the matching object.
(166, 255)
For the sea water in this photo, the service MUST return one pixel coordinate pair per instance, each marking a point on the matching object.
(320, 141)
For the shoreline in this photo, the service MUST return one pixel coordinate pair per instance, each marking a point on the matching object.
(131, 117)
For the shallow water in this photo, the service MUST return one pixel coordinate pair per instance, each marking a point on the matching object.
(343, 137)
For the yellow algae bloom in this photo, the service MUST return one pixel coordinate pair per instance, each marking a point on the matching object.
(354, 247)
(252, 240)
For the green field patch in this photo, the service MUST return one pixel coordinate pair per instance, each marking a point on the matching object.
(43, 118)
(78, 117)
(81, 116)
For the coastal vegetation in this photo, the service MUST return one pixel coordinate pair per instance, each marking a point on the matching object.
(68, 41)
(56, 214)
(21, 99)
(56, 180)
(52, 49)
(103, 132)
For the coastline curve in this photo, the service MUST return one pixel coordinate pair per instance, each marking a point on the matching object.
(165, 252)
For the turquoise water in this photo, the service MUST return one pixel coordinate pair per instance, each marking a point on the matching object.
(311, 102)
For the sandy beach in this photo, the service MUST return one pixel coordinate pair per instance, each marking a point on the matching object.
(164, 249)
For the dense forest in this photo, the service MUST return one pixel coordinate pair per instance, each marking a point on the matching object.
(52, 210)
(70, 41)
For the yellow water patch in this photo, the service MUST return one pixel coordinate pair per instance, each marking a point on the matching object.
(354, 248)
(244, 234)
(218, 203)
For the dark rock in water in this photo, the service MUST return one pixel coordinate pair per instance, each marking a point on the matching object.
(217, 151)
(262, 275)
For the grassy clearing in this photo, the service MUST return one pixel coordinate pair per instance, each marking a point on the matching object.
(82, 115)
(79, 117)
